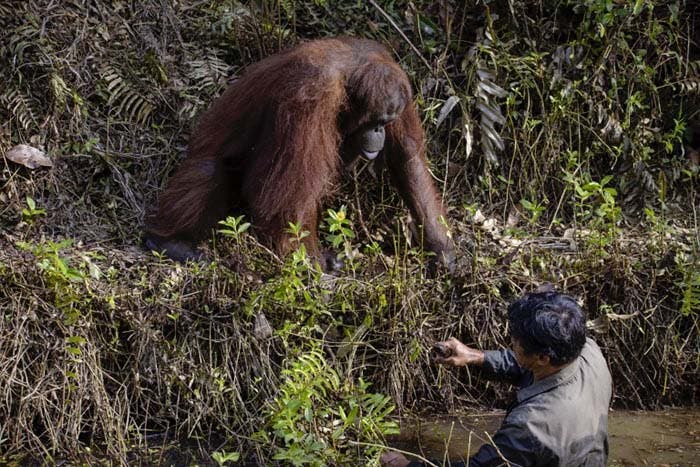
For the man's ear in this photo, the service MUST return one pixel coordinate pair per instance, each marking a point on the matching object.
(543, 360)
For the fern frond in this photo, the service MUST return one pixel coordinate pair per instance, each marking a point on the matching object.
(21, 108)
(124, 99)
(207, 72)
(690, 305)
(689, 86)
(490, 114)
(207, 75)
(288, 8)
(23, 38)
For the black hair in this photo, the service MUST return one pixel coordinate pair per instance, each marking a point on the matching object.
(548, 323)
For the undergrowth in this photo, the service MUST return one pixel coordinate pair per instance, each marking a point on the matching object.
(563, 136)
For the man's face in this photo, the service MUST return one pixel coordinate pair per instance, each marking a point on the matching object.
(529, 362)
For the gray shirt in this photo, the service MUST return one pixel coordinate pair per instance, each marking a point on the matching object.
(561, 420)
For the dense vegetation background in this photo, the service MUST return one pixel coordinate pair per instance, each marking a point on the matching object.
(563, 135)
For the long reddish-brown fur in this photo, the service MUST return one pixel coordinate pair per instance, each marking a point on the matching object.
(271, 145)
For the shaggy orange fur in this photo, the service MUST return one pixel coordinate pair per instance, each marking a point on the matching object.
(272, 146)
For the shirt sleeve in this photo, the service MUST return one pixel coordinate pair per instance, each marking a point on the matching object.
(501, 364)
(512, 442)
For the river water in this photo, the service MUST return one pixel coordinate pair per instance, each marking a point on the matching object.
(637, 438)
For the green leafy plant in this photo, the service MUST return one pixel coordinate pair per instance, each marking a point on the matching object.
(675, 136)
(31, 212)
(296, 287)
(340, 232)
(690, 285)
(298, 232)
(69, 283)
(534, 208)
(596, 205)
(235, 228)
(221, 457)
(317, 419)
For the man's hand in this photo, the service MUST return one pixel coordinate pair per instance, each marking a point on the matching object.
(393, 459)
(458, 354)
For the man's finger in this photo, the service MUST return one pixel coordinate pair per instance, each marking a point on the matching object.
(445, 360)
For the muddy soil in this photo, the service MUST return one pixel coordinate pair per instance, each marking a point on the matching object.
(661, 438)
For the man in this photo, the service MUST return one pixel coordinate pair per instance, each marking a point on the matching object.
(560, 417)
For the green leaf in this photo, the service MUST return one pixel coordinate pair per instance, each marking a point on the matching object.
(220, 457)
(78, 340)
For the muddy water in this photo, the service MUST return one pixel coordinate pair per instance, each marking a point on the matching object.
(662, 438)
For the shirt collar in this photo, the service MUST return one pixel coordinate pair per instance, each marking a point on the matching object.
(560, 377)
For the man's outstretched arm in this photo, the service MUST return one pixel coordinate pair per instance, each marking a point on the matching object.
(500, 364)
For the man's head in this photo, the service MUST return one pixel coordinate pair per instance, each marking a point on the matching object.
(548, 324)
